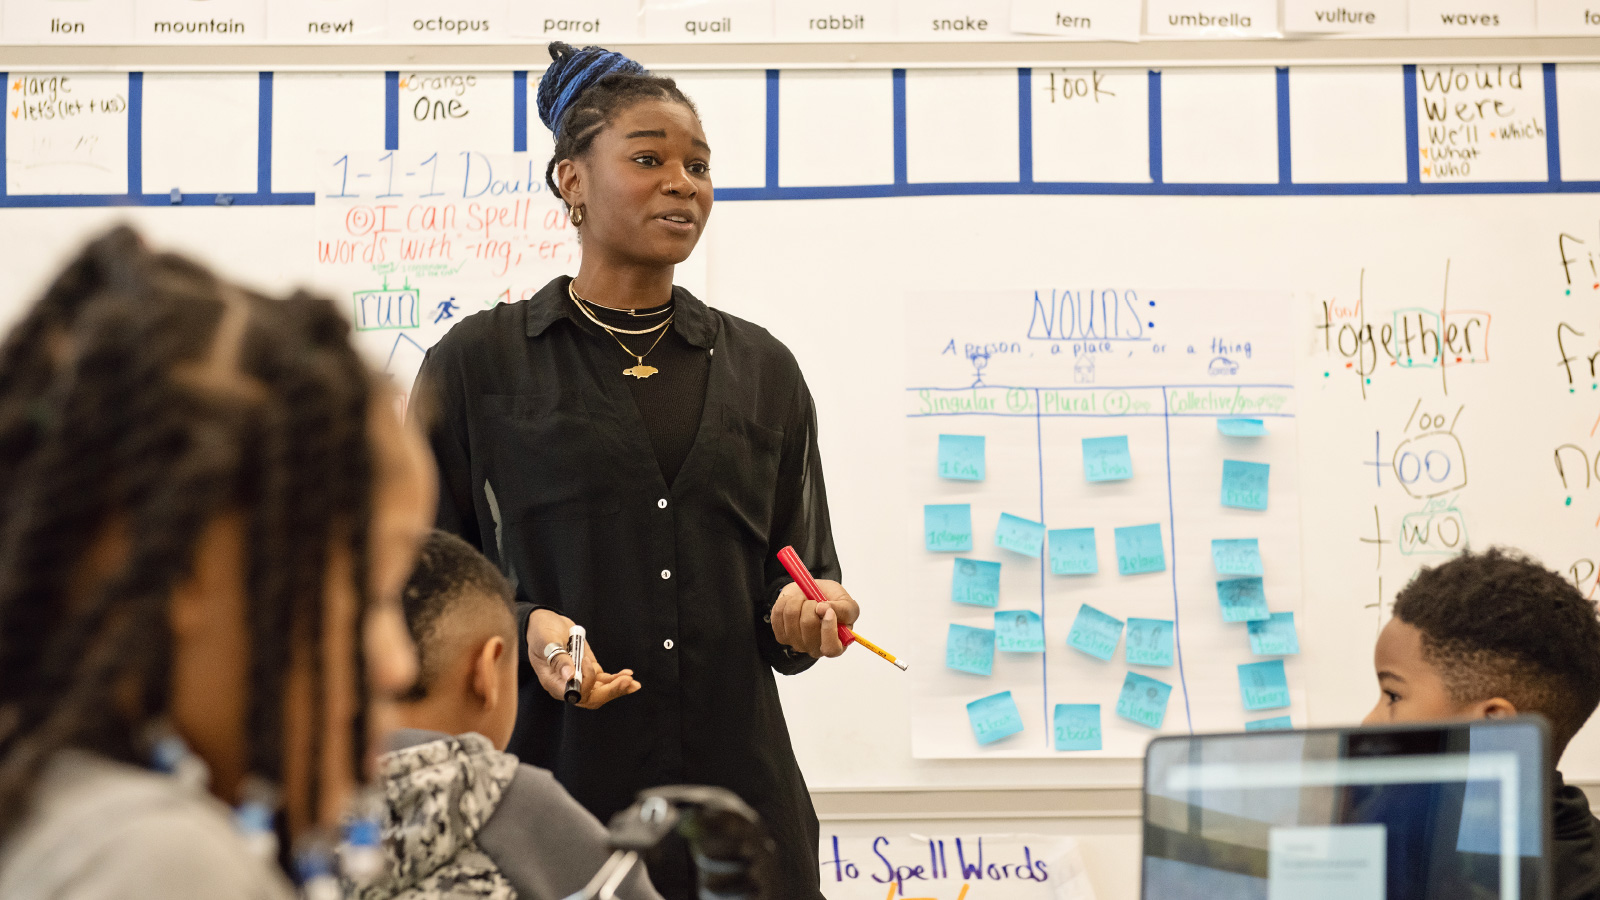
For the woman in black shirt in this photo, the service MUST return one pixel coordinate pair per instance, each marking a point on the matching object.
(633, 460)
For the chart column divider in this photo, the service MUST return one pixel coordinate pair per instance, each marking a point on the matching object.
(1044, 658)
(1172, 537)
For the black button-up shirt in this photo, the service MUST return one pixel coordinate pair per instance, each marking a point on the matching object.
(545, 464)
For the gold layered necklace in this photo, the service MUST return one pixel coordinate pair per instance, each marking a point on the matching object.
(641, 370)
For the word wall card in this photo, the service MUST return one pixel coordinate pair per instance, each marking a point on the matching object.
(1106, 524)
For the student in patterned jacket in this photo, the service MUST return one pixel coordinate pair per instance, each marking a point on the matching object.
(464, 819)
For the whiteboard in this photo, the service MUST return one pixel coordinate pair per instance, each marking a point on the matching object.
(1515, 496)
(1303, 184)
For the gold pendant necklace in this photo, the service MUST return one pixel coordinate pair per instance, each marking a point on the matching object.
(641, 370)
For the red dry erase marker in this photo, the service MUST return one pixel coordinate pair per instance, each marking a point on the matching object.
(808, 586)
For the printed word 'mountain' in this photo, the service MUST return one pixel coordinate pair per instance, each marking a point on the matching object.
(207, 27)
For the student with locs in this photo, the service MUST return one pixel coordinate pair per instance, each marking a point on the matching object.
(633, 460)
(211, 505)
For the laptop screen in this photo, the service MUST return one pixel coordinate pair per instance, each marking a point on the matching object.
(1457, 811)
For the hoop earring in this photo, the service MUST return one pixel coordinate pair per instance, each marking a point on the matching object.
(577, 216)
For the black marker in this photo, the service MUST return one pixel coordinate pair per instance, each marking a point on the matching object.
(575, 650)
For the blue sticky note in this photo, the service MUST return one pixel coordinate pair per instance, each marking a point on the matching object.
(1143, 700)
(976, 583)
(1237, 556)
(1077, 726)
(1018, 631)
(1242, 427)
(970, 649)
(1243, 600)
(1264, 685)
(961, 457)
(994, 717)
(1107, 459)
(1072, 552)
(1274, 636)
(1020, 535)
(1276, 723)
(1140, 550)
(1095, 633)
(1244, 484)
(1149, 642)
(948, 527)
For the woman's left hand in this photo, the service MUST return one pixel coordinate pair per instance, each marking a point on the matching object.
(813, 628)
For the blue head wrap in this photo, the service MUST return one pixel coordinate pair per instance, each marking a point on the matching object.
(574, 71)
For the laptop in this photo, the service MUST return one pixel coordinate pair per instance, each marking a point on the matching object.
(1457, 811)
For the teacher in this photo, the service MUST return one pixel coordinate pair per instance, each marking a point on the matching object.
(633, 460)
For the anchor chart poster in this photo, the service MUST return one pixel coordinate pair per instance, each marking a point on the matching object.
(1130, 438)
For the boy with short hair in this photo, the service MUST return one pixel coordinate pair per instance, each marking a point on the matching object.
(1494, 634)
(464, 819)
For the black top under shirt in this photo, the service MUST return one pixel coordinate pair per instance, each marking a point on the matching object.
(1575, 853)
(549, 463)
(671, 400)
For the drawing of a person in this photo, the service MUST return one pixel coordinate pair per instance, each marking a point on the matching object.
(980, 361)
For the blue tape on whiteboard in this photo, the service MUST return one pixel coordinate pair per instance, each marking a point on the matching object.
(1143, 700)
(1237, 556)
(970, 650)
(1264, 685)
(1107, 459)
(1149, 642)
(1095, 633)
(1276, 723)
(947, 527)
(1077, 726)
(976, 582)
(1242, 427)
(961, 457)
(1244, 484)
(1020, 535)
(1242, 599)
(1018, 631)
(1140, 550)
(1072, 552)
(1274, 636)
(994, 717)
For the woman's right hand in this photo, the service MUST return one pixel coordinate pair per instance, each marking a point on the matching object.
(547, 627)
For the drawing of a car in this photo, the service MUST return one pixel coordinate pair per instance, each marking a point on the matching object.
(1223, 366)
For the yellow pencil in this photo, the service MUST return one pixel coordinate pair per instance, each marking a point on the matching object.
(874, 648)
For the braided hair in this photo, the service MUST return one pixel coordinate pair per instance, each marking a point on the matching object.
(140, 398)
(584, 90)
